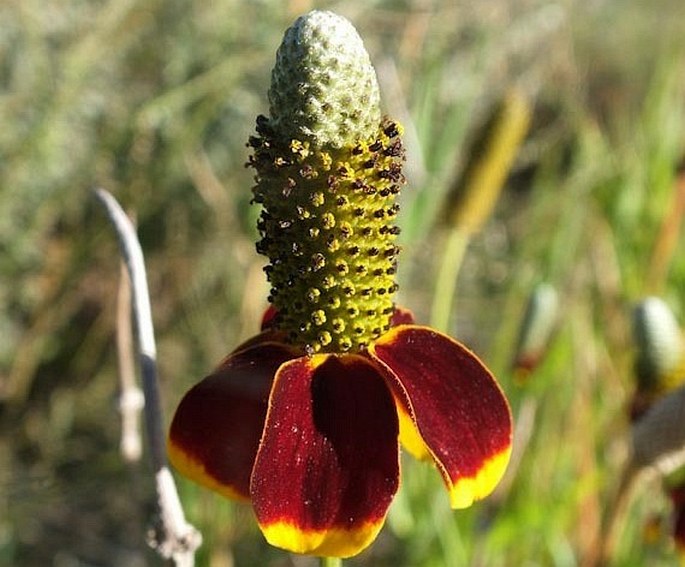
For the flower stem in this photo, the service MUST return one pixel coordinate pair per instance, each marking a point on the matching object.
(331, 562)
(443, 299)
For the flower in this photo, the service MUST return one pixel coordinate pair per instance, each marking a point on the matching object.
(305, 419)
(657, 435)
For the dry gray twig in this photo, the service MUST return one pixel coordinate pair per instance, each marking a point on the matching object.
(131, 400)
(174, 538)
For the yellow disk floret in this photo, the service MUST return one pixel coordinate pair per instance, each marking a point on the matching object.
(327, 227)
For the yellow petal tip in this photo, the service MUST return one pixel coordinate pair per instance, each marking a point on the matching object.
(467, 490)
(333, 542)
(191, 468)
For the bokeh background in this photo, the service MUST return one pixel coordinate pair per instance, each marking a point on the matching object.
(155, 100)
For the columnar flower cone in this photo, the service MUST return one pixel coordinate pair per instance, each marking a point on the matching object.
(304, 420)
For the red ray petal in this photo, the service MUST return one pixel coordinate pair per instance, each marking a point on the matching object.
(401, 316)
(455, 404)
(678, 499)
(328, 464)
(215, 432)
(268, 317)
(266, 336)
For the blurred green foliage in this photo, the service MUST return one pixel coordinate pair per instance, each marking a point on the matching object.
(155, 100)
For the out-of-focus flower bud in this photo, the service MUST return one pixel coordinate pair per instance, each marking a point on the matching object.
(472, 198)
(660, 358)
(537, 326)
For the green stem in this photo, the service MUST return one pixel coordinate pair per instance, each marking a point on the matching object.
(331, 562)
(443, 299)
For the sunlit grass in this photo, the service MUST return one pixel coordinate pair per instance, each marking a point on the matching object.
(155, 101)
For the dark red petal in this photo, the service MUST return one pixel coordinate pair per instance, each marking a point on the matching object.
(455, 404)
(401, 316)
(267, 336)
(215, 432)
(328, 464)
(678, 499)
(268, 317)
